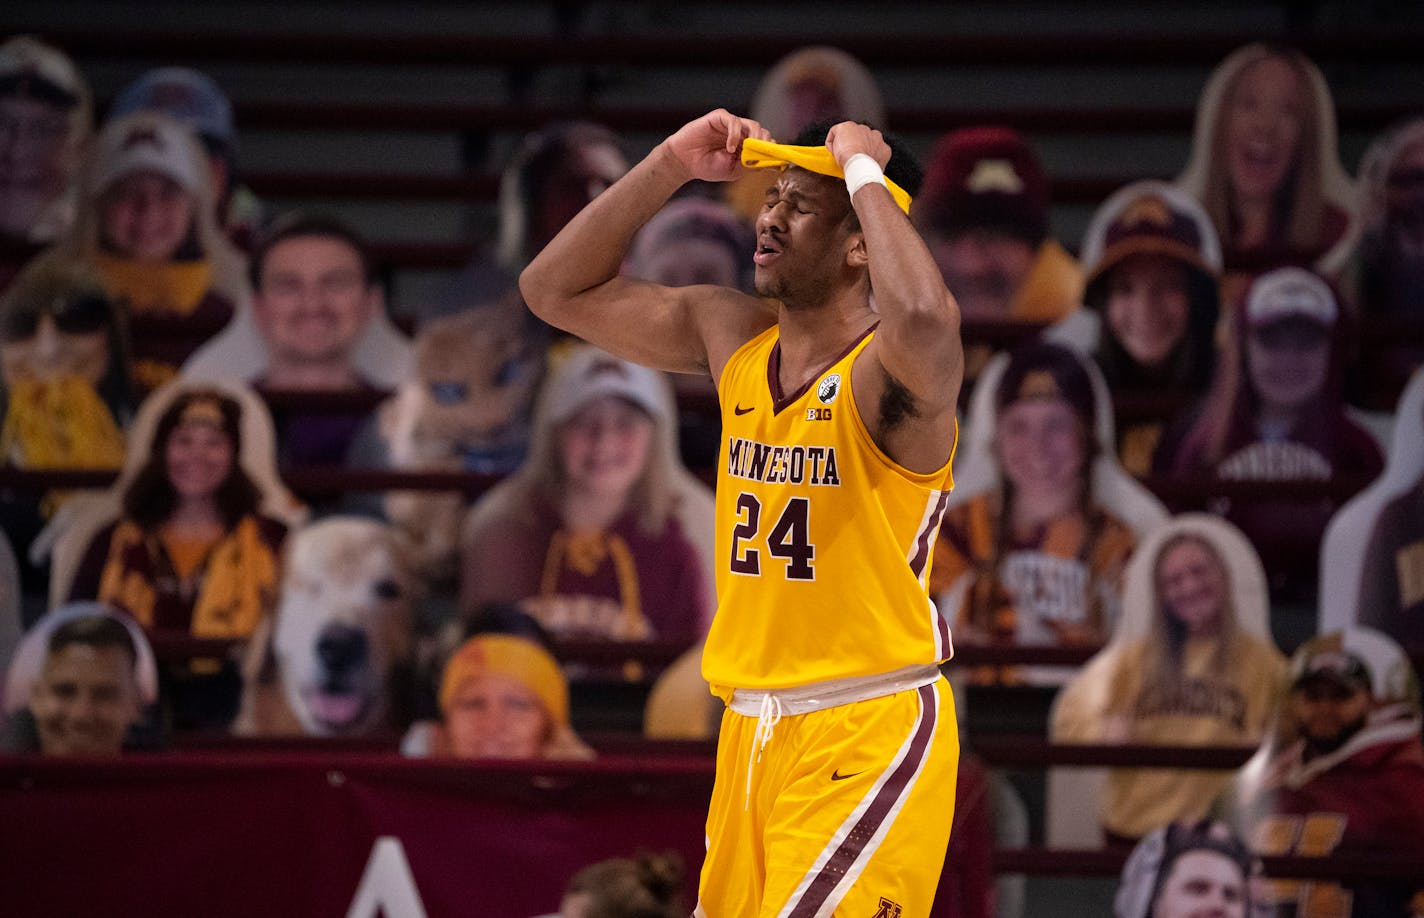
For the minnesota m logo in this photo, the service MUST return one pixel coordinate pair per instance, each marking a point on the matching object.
(887, 909)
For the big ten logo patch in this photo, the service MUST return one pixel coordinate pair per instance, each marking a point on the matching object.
(829, 389)
(1315, 835)
(887, 909)
(818, 414)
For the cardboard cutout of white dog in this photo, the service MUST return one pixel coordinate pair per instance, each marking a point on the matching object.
(329, 661)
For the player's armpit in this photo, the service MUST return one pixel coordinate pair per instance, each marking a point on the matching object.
(917, 429)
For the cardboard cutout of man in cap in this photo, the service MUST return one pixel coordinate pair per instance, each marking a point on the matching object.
(984, 212)
(47, 107)
(1343, 772)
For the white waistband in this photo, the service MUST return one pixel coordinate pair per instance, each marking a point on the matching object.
(804, 699)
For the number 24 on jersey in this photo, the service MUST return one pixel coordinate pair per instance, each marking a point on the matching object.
(788, 539)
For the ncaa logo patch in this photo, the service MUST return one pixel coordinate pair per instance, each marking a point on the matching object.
(829, 388)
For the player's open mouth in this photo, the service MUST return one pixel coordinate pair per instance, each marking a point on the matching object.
(767, 250)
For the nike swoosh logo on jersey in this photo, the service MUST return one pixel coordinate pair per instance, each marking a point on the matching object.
(739, 410)
(837, 776)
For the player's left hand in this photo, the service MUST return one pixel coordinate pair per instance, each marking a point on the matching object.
(849, 138)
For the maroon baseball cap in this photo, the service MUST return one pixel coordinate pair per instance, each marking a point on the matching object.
(1045, 370)
(984, 178)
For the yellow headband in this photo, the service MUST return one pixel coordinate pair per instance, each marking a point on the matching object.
(763, 154)
(516, 657)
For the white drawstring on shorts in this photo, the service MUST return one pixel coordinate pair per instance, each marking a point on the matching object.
(768, 706)
(767, 719)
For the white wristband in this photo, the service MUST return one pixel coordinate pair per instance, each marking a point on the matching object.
(860, 170)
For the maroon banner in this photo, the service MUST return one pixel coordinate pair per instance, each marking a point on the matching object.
(291, 834)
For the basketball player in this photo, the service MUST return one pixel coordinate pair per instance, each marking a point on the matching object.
(837, 755)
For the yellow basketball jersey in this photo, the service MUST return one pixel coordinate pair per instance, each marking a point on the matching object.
(823, 542)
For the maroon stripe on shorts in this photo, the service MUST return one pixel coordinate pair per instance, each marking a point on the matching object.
(885, 799)
(922, 541)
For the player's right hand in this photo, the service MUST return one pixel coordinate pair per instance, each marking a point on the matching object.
(710, 148)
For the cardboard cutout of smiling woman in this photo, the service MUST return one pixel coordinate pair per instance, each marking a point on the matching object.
(1043, 519)
(602, 532)
(147, 224)
(188, 540)
(1265, 163)
(192, 516)
(502, 696)
(1191, 663)
(1151, 263)
(69, 534)
(1276, 413)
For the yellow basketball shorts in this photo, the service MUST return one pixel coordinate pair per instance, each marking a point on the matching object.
(848, 811)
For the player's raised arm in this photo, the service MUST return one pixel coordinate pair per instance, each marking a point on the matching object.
(574, 282)
(918, 343)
